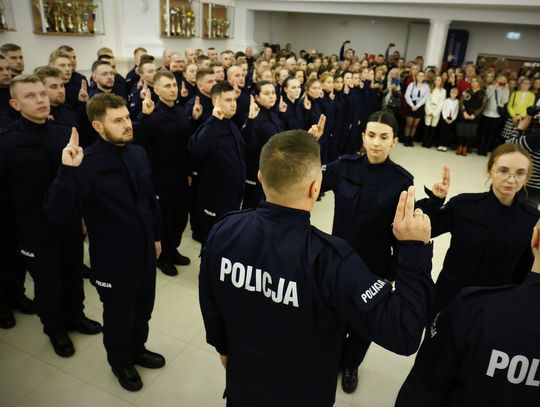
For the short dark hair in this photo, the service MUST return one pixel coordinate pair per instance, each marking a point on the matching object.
(201, 73)
(97, 106)
(147, 58)
(145, 62)
(98, 63)
(140, 49)
(4, 49)
(221, 87)
(258, 86)
(287, 158)
(65, 48)
(164, 74)
(44, 72)
(387, 118)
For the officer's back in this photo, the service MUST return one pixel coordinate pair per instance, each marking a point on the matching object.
(275, 292)
(483, 349)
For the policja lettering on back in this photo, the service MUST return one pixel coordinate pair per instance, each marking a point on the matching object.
(242, 277)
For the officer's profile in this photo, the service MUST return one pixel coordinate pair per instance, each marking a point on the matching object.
(276, 293)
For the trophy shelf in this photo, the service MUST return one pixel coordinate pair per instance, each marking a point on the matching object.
(78, 18)
(179, 19)
(7, 21)
(218, 21)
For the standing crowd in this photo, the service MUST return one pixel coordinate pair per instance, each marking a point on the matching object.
(129, 162)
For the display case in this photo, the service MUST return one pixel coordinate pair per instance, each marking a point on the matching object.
(68, 17)
(218, 21)
(7, 21)
(180, 18)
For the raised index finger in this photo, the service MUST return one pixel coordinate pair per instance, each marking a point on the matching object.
(322, 121)
(400, 209)
(83, 85)
(446, 175)
(74, 139)
(409, 203)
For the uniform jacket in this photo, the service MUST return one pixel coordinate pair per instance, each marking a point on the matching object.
(490, 243)
(483, 350)
(276, 293)
(292, 118)
(112, 190)
(30, 155)
(217, 151)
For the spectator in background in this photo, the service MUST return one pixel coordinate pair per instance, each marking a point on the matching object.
(473, 101)
(434, 104)
(497, 95)
(517, 107)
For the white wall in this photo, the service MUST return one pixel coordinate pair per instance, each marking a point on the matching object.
(271, 27)
(491, 39)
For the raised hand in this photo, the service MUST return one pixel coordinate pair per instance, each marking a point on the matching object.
(317, 130)
(147, 103)
(197, 109)
(254, 108)
(218, 112)
(183, 91)
(307, 103)
(83, 93)
(282, 105)
(440, 189)
(237, 91)
(144, 90)
(72, 154)
(410, 223)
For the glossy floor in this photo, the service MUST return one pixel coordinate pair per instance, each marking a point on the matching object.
(31, 375)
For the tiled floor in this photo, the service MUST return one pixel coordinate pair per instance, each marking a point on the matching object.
(31, 375)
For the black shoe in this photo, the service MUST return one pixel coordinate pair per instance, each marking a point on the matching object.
(180, 260)
(349, 380)
(167, 267)
(7, 320)
(25, 305)
(150, 360)
(85, 326)
(62, 345)
(129, 378)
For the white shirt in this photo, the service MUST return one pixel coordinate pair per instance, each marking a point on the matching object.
(450, 108)
(416, 93)
(435, 101)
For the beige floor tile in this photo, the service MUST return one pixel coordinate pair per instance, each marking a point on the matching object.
(91, 366)
(194, 378)
(21, 372)
(64, 390)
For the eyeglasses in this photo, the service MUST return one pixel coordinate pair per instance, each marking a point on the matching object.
(504, 174)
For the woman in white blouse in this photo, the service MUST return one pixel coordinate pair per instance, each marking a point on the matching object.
(415, 98)
(434, 104)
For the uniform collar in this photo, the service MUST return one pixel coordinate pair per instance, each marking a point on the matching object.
(106, 146)
(492, 196)
(277, 211)
(34, 127)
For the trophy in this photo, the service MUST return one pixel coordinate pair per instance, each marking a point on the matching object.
(69, 13)
(226, 25)
(60, 10)
(208, 22)
(190, 23)
(48, 20)
(91, 10)
(214, 27)
(182, 22)
(173, 21)
(3, 23)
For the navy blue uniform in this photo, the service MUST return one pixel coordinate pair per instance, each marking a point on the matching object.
(218, 152)
(112, 189)
(342, 123)
(135, 102)
(293, 117)
(242, 108)
(256, 133)
(73, 87)
(366, 196)
(132, 79)
(275, 294)
(490, 243)
(191, 88)
(7, 114)
(164, 134)
(328, 109)
(483, 350)
(30, 154)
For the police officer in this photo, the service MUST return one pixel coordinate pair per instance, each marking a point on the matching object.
(147, 70)
(366, 190)
(120, 84)
(236, 78)
(7, 113)
(30, 151)
(76, 80)
(164, 132)
(483, 349)
(132, 77)
(206, 79)
(14, 56)
(258, 131)
(112, 189)
(489, 244)
(275, 292)
(217, 149)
